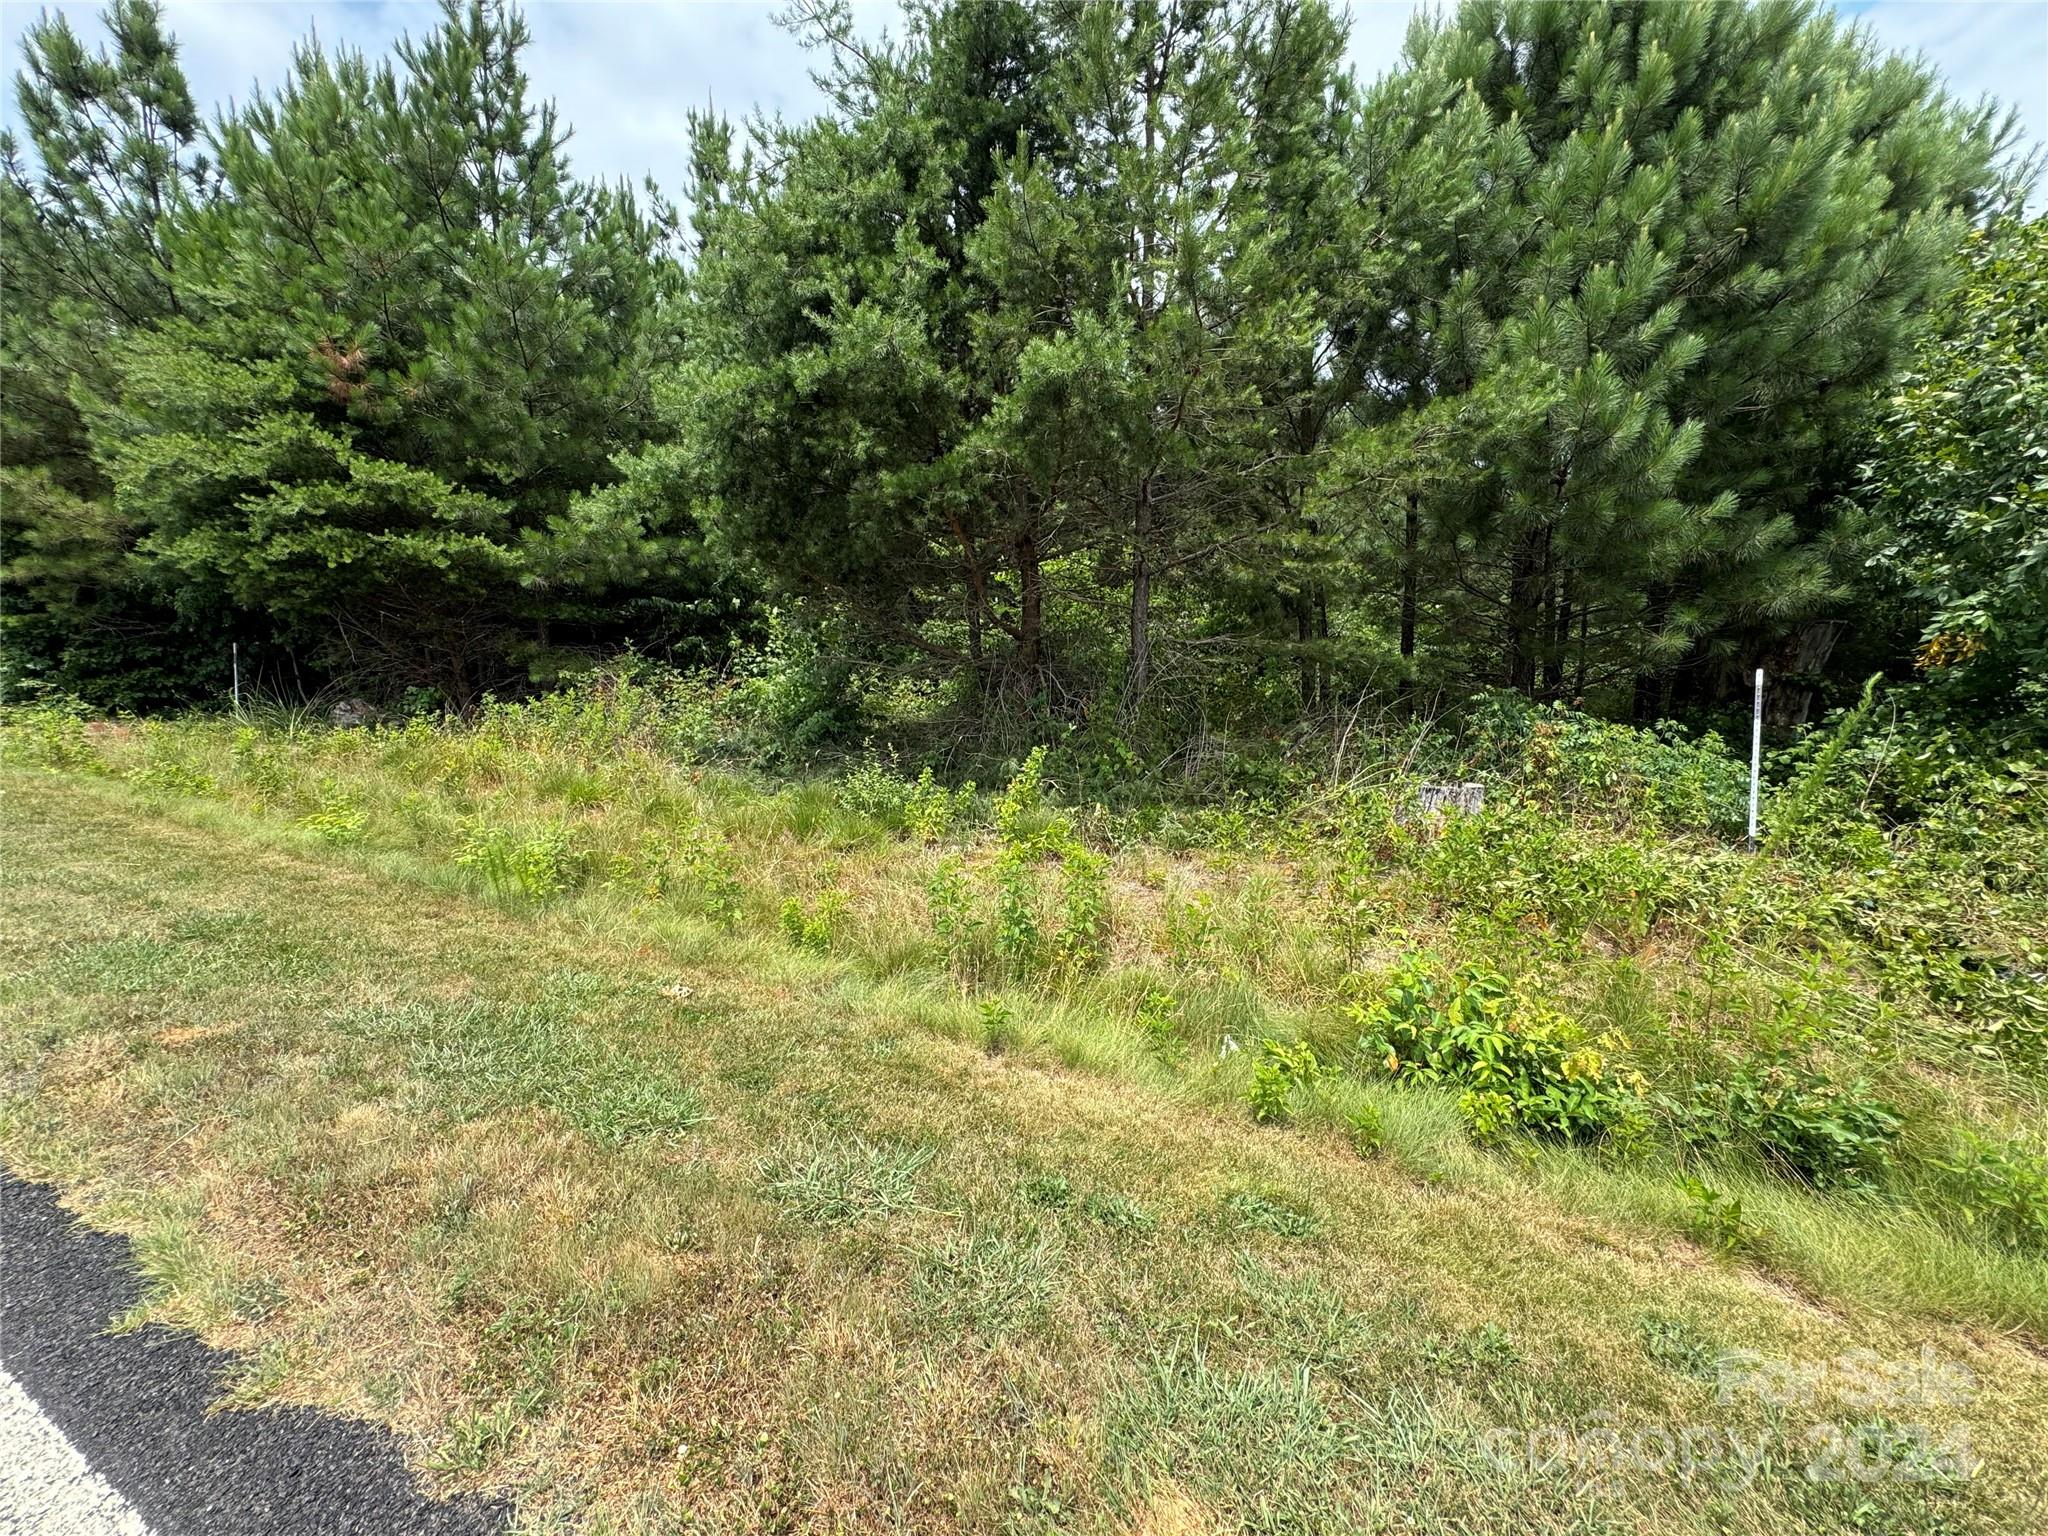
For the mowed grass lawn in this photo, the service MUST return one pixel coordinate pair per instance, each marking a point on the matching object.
(660, 1228)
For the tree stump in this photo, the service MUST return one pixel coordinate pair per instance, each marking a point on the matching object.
(1435, 801)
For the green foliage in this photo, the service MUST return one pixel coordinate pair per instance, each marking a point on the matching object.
(377, 410)
(1191, 931)
(1119, 1213)
(165, 766)
(1714, 1220)
(50, 735)
(812, 927)
(712, 870)
(1160, 1022)
(955, 923)
(1018, 807)
(529, 865)
(1799, 1119)
(1018, 932)
(339, 820)
(1282, 1071)
(1515, 864)
(1954, 488)
(931, 811)
(1254, 1210)
(923, 807)
(1650, 322)
(1999, 1188)
(1367, 1130)
(1521, 1064)
(1084, 904)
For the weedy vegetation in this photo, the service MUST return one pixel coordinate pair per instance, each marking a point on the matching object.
(953, 1099)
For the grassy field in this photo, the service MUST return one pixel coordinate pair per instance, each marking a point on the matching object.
(679, 1150)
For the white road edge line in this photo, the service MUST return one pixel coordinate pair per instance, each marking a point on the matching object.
(47, 1488)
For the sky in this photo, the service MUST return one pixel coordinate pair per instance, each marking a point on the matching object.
(626, 72)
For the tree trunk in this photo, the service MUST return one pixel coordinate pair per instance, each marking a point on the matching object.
(1139, 676)
(1030, 613)
(1560, 639)
(1528, 590)
(1411, 539)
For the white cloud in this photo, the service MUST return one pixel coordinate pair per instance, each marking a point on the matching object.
(625, 72)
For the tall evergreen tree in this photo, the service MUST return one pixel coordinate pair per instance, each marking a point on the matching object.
(110, 154)
(1713, 228)
(406, 343)
(1008, 348)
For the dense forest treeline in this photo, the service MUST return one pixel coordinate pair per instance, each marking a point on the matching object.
(1129, 363)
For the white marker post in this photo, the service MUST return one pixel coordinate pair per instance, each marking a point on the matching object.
(235, 661)
(1756, 755)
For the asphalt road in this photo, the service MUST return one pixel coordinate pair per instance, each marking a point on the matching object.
(104, 1435)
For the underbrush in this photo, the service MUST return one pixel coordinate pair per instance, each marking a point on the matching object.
(1592, 966)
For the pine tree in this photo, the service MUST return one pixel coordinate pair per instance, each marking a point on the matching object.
(406, 344)
(1711, 228)
(1011, 345)
(109, 156)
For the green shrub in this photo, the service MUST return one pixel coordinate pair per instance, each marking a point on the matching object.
(1281, 1070)
(1191, 932)
(955, 924)
(1714, 1220)
(1159, 1021)
(1522, 1064)
(1019, 936)
(1367, 1129)
(258, 766)
(1797, 1118)
(709, 864)
(931, 811)
(50, 735)
(1084, 903)
(1514, 863)
(1999, 1189)
(532, 866)
(1021, 800)
(813, 928)
(336, 819)
(873, 791)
